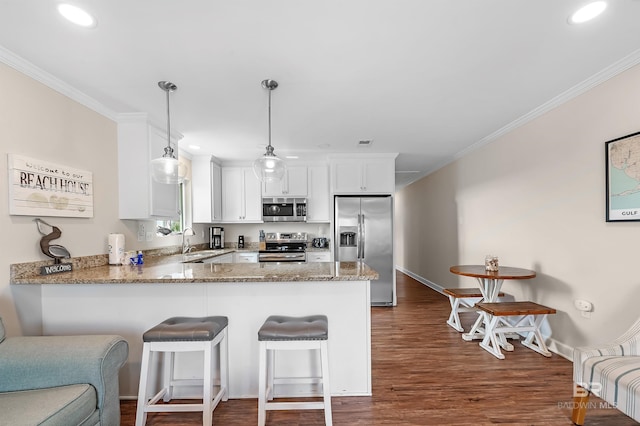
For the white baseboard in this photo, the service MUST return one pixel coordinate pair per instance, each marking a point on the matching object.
(422, 280)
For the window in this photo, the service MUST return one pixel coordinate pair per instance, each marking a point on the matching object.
(170, 226)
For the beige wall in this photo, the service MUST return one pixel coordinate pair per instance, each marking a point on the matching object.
(39, 122)
(536, 198)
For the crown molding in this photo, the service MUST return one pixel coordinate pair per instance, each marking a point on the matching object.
(25, 67)
(598, 78)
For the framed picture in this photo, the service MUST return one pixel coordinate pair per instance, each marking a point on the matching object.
(42, 188)
(623, 178)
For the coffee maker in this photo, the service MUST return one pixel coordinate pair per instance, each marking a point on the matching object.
(216, 237)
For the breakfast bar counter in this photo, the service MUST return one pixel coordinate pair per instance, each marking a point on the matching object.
(128, 300)
(165, 271)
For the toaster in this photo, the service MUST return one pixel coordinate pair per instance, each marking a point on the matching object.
(320, 242)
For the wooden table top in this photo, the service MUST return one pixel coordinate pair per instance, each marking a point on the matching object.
(503, 272)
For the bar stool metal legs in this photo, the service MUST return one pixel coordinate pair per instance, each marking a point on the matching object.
(181, 334)
(280, 333)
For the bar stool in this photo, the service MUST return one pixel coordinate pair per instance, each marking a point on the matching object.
(292, 333)
(184, 334)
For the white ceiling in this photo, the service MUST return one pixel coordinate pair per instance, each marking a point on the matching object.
(427, 79)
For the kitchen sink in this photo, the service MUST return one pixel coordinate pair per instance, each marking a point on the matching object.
(196, 256)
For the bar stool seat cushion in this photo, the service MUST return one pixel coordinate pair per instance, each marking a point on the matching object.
(283, 328)
(183, 329)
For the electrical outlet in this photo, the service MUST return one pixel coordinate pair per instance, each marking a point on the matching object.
(583, 305)
(141, 232)
(149, 236)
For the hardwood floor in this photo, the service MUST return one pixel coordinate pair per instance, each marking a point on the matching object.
(425, 374)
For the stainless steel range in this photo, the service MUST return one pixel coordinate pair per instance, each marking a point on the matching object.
(284, 247)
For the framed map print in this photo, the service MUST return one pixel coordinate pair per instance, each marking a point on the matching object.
(623, 178)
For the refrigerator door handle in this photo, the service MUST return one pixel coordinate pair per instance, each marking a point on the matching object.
(359, 238)
(362, 236)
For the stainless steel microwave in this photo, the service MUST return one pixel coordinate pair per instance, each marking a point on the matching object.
(284, 209)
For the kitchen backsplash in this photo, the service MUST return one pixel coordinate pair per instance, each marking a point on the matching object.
(251, 231)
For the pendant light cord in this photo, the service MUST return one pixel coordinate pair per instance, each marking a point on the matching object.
(270, 117)
(168, 123)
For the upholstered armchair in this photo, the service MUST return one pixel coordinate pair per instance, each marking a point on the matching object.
(60, 380)
(611, 372)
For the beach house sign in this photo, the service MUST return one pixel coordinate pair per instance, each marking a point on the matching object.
(41, 188)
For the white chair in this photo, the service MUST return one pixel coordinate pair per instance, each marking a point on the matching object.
(184, 334)
(611, 372)
(292, 333)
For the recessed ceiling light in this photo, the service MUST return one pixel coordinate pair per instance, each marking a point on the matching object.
(588, 12)
(291, 157)
(76, 15)
(194, 146)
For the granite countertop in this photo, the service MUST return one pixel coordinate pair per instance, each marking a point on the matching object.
(179, 269)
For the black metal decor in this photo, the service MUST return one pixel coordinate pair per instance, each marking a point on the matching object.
(54, 251)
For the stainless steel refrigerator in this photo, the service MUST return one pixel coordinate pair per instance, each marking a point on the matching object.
(364, 232)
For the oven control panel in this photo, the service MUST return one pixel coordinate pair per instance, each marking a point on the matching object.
(286, 237)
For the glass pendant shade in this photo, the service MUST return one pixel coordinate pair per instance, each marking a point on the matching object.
(166, 170)
(269, 167)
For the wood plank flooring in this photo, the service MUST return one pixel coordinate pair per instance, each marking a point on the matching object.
(425, 374)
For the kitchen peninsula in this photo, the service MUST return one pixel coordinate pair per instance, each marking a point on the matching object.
(128, 300)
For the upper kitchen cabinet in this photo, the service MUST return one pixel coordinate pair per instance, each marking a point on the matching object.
(140, 197)
(318, 198)
(292, 184)
(206, 187)
(241, 200)
(372, 174)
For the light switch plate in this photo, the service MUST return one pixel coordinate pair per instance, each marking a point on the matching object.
(149, 236)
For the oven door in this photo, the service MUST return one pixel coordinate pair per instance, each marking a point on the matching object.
(266, 256)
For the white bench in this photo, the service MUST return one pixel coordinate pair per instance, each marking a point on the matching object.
(528, 317)
(462, 300)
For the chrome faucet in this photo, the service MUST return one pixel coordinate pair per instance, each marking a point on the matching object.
(186, 248)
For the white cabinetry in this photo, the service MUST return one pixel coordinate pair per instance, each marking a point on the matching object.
(363, 175)
(318, 256)
(292, 184)
(245, 257)
(318, 199)
(206, 187)
(139, 196)
(241, 201)
(224, 258)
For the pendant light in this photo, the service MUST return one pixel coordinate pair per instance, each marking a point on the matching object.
(167, 169)
(269, 168)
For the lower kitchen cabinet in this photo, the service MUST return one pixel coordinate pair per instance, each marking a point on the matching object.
(225, 258)
(245, 257)
(318, 256)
